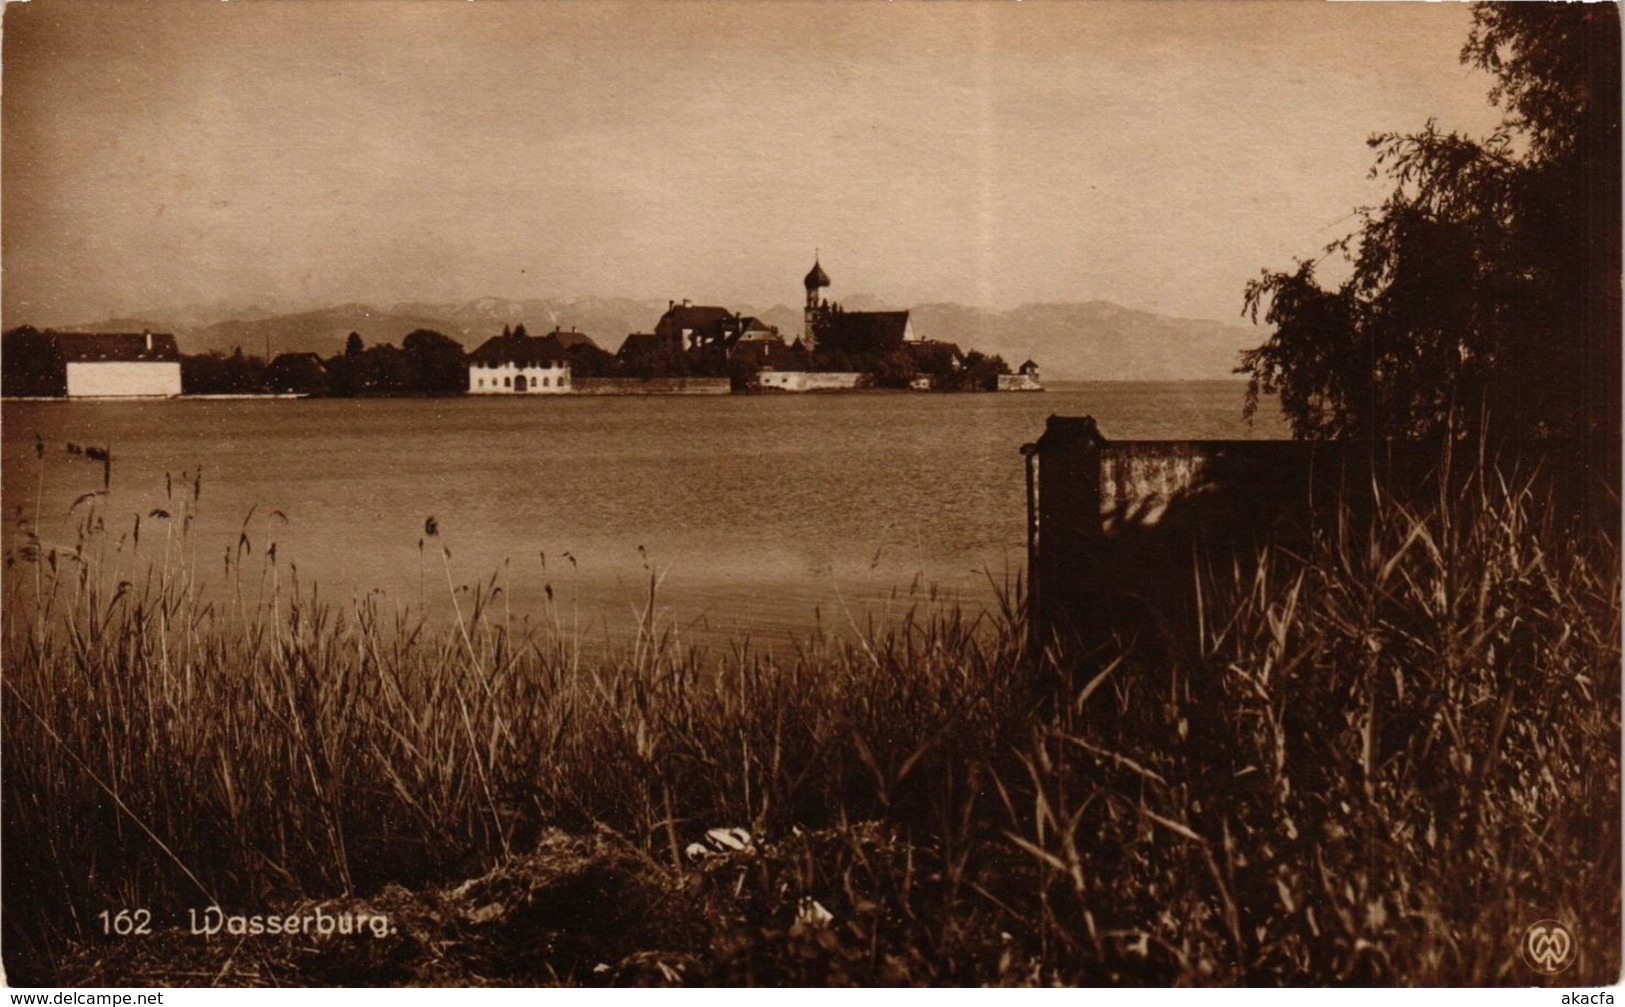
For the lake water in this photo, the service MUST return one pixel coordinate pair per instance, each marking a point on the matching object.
(757, 514)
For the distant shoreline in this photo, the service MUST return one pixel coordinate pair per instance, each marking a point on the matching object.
(1051, 385)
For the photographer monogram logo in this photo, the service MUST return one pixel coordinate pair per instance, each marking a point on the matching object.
(1548, 947)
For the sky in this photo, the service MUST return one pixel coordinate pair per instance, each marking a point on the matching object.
(295, 154)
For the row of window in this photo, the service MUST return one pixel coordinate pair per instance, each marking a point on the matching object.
(534, 383)
(545, 365)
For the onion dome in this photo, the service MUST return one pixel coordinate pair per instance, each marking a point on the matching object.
(817, 278)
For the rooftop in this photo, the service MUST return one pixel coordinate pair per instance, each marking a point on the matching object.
(521, 351)
(95, 347)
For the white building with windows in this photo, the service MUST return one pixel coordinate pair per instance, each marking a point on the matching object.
(120, 364)
(519, 364)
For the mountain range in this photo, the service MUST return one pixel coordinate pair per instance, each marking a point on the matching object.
(1094, 340)
(1088, 340)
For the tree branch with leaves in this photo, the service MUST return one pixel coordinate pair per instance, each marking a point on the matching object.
(1483, 291)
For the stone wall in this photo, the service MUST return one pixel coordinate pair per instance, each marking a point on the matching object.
(809, 381)
(1123, 527)
(651, 386)
(1019, 383)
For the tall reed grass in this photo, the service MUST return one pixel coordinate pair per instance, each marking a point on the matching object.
(1381, 760)
(1394, 752)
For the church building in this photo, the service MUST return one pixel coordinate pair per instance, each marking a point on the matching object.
(828, 325)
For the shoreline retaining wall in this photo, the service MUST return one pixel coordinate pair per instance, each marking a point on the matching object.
(1019, 383)
(651, 386)
(809, 381)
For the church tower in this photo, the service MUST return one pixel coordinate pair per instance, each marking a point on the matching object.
(816, 280)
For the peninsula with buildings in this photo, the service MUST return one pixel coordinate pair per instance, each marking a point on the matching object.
(693, 349)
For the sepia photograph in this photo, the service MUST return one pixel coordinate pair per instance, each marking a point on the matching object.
(720, 493)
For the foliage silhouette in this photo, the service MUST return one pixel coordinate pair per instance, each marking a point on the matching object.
(1486, 285)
